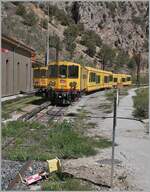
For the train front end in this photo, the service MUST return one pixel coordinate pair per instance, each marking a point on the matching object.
(40, 79)
(63, 81)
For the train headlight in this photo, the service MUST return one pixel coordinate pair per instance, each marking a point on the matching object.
(73, 84)
(52, 83)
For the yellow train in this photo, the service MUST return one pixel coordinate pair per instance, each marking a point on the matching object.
(40, 79)
(64, 81)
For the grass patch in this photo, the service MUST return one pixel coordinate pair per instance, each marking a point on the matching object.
(14, 128)
(17, 105)
(61, 183)
(110, 94)
(123, 91)
(107, 107)
(63, 140)
(141, 102)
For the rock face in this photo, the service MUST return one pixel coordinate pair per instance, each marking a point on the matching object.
(122, 25)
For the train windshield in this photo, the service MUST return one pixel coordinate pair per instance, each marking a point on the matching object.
(53, 70)
(36, 73)
(62, 71)
(73, 71)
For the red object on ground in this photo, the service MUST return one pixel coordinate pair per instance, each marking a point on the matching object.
(32, 179)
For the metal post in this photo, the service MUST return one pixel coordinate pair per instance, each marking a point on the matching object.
(113, 141)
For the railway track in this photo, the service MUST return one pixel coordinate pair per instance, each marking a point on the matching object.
(43, 116)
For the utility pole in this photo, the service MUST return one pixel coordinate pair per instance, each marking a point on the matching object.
(48, 38)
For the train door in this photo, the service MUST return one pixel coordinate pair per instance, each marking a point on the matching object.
(83, 79)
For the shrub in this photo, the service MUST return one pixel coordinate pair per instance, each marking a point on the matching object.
(44, 23)
(21, 10)
(141, 103)
(30, 18)
(91, 36)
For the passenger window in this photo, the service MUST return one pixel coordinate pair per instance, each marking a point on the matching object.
(123, 80)
(92, 77)
(106, 79)
(115, 79)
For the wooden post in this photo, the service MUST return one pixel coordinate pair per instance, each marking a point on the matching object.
(113, 141)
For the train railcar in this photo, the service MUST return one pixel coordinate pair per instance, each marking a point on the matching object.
(128, 80)
(94, 79)
(66, 80)
(40, 81)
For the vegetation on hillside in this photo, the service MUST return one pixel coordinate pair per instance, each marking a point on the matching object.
(141, 103)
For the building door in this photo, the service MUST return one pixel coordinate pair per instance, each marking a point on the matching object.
(26, 77)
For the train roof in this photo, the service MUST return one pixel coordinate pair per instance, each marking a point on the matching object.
(98, 70)
(63, 62)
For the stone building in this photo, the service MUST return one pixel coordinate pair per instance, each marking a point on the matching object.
(16, 67)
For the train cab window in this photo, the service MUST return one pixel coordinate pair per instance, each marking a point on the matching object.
(73, 71)
(106, 79)
(123, 79)
(98, 79)
(92, 77)
(115, 79)
(62, 71)
(53, 70)
(128, 78)
(110, 78)
(36, 73)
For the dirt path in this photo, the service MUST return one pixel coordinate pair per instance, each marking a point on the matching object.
(132, 167)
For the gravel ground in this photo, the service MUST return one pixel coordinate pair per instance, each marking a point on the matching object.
(9, 169)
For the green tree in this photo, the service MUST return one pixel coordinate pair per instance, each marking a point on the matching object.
(107, 55)
(131, 64)
(71, 34)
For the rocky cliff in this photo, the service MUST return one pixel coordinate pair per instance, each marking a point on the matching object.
(120, 25)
